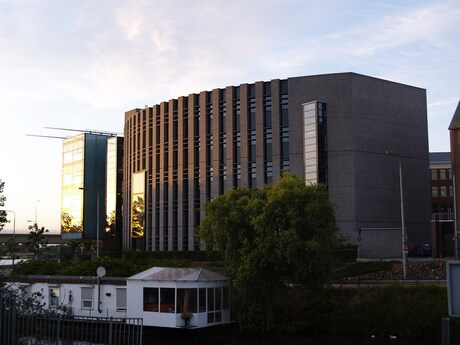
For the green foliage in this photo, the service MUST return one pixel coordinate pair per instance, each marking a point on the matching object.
(36, 239)
(180, 255)
(408, 312)
(9, 247)
(3, 214)
(359, 268)
(346, 253)
(39, 267)
(282, 234)
(115, 267)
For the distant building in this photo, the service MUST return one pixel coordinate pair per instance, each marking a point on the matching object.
(91, 182)
(332, 129)
(114, 194)
(454, 129)
(442, 201)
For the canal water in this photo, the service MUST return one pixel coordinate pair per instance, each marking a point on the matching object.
(226, 337)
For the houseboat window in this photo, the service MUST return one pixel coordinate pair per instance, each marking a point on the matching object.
(167, 302)
(121, 299)
(54, 296)
(202, 301)
(186, 300)
(218, 316)
(211, 317)
(86, 297)
(218, 292)
(211, 299)
(226, 299)
(150, 299)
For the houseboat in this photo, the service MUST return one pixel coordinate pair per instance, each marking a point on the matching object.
(161, 296)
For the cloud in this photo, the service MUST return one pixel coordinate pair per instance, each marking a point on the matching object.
(425, 26)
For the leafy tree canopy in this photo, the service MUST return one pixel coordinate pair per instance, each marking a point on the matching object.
(3, 214)
(283, 233)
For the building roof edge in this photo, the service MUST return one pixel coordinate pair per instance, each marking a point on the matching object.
(455, 123)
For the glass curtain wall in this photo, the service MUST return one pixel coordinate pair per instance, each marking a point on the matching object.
(72, 180)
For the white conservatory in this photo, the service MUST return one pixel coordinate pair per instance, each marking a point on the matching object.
(174, 297)
(162, 297)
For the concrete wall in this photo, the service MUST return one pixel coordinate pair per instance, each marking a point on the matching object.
(367, 117)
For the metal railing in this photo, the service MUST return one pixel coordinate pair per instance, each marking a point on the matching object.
(24, 322)
(442, 216)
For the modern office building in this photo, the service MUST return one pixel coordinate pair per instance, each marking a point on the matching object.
(114, 196)
(333, 129)
(91, 185)
(454, 129)
(442, 201)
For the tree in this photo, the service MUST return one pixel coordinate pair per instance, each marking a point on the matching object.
(3, 214)
(9, 248)
(36, 239)
(284, 233)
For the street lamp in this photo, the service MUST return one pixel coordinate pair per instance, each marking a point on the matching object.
(403, 228)
(14, 221)
(35, 221)
(36, 206)
(97, 218)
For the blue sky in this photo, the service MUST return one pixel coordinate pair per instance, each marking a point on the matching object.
(82, 64)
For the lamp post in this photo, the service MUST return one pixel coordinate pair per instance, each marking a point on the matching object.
(14, 221)
(97, 217)
(35, 221)
(403, 228)
(36, 206)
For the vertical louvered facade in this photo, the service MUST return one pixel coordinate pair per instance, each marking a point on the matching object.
(330, 129)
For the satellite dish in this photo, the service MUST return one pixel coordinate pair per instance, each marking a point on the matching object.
(100, 272)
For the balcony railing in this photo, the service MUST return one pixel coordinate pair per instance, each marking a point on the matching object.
(443, 216)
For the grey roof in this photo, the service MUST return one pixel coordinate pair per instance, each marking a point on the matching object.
(65, 279)
(455, 123)
(438, 157)
(178, 274)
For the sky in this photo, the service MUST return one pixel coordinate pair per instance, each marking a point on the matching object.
(82, 64)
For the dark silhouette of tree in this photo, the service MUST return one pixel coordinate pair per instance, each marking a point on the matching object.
(3, 214)
(36, 240)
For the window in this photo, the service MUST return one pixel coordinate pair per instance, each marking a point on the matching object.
(150, 299)
(167, 300)
(54, 296)
(434, 191)
(86, 298)
(202, 301)
(434, 174)
(443, 191)
(186, 300)
(211, 305)
(218, 299)
(121, 299)
(285, 149)
(442, 174)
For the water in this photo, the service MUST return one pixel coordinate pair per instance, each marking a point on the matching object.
(229, 337)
